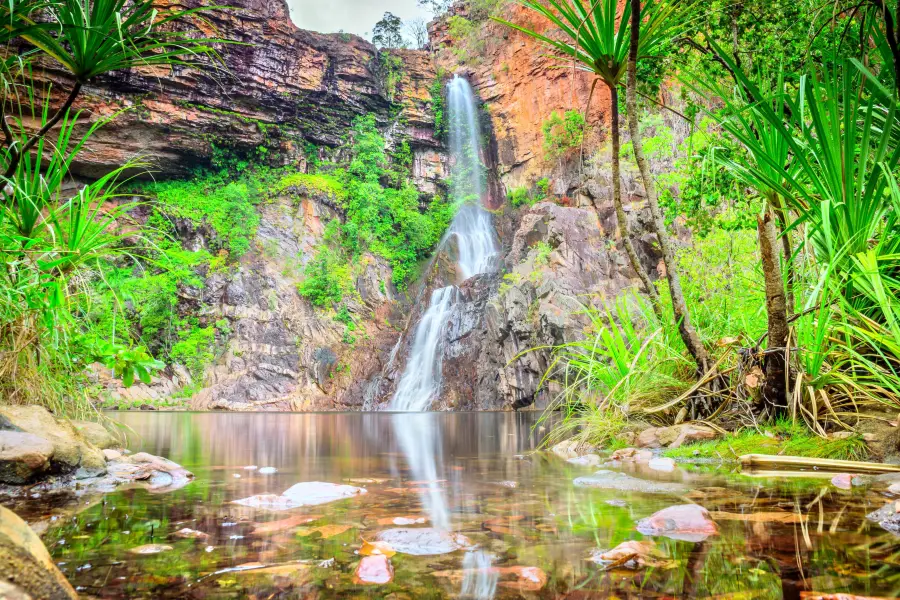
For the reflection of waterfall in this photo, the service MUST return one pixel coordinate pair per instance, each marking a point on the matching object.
(479, 580)
(419, 437)
(471, 232)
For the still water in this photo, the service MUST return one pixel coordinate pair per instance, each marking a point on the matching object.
(469, 508)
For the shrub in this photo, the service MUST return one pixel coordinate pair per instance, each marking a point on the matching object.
(563, 134)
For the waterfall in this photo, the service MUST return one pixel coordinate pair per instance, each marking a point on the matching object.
(471, 233)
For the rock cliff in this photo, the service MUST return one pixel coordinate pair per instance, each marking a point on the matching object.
(290, 90)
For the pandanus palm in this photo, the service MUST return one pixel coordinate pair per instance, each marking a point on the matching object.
(600, 39)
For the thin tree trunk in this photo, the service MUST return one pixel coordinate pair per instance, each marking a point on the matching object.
(679, 306)
(620, 210)
(775, 388)
(788, 255)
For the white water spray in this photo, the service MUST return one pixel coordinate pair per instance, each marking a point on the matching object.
(471, 232)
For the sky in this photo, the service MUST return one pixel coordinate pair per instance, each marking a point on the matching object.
(352, 16)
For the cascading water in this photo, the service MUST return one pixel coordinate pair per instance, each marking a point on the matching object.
(472, 235)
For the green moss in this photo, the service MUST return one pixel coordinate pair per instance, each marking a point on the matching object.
(782, 439)
(323, 184)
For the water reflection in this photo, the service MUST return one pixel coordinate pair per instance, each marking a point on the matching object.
(518, 527)
(419, 438)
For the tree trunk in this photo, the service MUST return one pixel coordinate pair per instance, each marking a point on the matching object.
(679, 306)
(774, 364)
(788, 250)
(620, 210)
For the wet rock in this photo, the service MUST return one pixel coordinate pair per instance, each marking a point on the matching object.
(888, 516)
(191, 534)
(110, 454)
(71, 451)
(588, 460)
(675, 436)
(25, 563)
(157, 473)
(662, 463)
(572, 449)
(423, 541)
(9, 591)
(842, 481)
(374, 569)
(632, 455)
(687, 522)
(23, 456)
(97, 434)
(621, 482)
(630, 554)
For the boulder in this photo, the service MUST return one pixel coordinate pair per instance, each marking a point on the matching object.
(572, 449)
(25, 564)
(686, 522)
(23, 456)
(157, 473)
(675, 436)
(97, 434)
(71, 451)
(632, 455)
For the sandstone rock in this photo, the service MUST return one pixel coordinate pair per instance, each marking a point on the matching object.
(687, 522)
(25, 562)
(110, 454)
(374, 569)
(97, 434)
(156, 473)
(675, 436)
(630, 553)
(9, 591)
(23, 456)
(613, 480)
(71, 451)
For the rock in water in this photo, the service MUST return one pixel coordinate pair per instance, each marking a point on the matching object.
(621, 482)
(888, 516)
(26, 564)
(308, 493)
(675, 436)
(23, 456)
(374, 569)
(423, 541)
(629, 554)
(687, 522)
(97, 434)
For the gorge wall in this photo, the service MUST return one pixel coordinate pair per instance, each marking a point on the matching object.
(287, 90)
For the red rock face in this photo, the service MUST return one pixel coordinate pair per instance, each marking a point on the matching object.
(521, 82)
(283, 87)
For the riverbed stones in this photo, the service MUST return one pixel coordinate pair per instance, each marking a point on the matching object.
(888, 516)
(675, 436)
(23, 456)
(685, 522)
(622, 482)
(25, 563)
(155, 473)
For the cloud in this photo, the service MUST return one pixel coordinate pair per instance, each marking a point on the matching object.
(352, 16)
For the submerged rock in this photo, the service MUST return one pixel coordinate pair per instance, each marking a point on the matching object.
(888, 516)
(588, 460)
(156, 473)
(621, 482)
(374, 569)
(308, 493)
(25, 564)
(630, 554)
(423, 541)
(686, 522)
(632, 455)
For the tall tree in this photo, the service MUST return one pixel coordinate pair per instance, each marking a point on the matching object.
(679, 306)
(388, 32)
(417, 29)
(598, 38)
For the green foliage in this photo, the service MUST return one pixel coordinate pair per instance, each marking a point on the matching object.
(438, 107)
(542, 253)
(212, 199)
(563, 134)
(543, 187)
(519, 196)
(195, 349)
(382, 220)
(783, 437)
(329, 185)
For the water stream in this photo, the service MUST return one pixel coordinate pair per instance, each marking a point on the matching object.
(471, 235)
